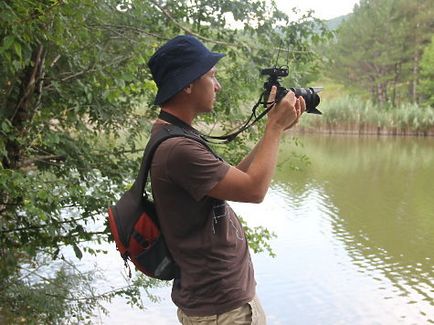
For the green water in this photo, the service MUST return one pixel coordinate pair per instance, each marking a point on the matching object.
(382, 188)
(355, 233)
(355, 236)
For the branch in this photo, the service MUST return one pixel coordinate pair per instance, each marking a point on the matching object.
(74, 75)
(34, 15)
(44, 159)
(206, 39)
(31, 79)
(113, 62)
(55, 60)
(189, 31)
(117, 152)
(46, 225)
(93, 297)
(185, 29)
(131, 28)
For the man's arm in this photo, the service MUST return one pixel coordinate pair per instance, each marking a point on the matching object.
(250, 181)
(245, 163)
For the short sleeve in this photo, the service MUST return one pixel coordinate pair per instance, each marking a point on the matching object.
(194, 168)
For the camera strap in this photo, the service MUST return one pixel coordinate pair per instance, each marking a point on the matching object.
(223, 139)
(250, 122)
(172, 119)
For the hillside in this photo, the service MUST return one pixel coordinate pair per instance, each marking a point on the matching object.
(334, 23)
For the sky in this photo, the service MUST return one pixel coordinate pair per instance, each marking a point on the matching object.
(324, 9)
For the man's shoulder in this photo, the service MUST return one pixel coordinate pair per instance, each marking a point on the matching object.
(180, 143)
(177, 137)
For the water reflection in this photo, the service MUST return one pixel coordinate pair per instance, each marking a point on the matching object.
(355, 238)
(377, 195)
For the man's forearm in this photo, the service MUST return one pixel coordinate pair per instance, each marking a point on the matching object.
(245, 163)
(249, 181)
(264, 159)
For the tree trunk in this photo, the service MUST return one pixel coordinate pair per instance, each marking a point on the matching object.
(385, 93)
(415, 79)
(395, 84)
(24, 106)
(381, 93)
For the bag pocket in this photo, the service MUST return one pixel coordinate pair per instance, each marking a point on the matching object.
(156, 260)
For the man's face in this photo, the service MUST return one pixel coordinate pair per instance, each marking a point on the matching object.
(204, 91)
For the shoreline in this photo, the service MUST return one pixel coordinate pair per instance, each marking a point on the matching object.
(363, 131)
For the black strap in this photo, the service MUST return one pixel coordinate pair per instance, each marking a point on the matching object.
(164, 133)
(172, 119)
(223, 139)
(177, 128)
(249, 123)
(202, 138)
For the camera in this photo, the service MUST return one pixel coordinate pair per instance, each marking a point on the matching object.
(310, 95)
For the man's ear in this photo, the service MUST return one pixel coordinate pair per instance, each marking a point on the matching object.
(188, 89)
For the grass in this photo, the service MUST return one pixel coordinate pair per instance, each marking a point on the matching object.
(351, 114)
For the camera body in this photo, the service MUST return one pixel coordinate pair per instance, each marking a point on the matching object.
(310, 95)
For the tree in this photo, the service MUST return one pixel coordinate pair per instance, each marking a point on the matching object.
(362, 62)
(378, 48)
(427, 73)
(416, 19)
(75, 97)
(67, 87)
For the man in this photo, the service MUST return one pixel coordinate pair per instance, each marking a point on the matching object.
(190, 184)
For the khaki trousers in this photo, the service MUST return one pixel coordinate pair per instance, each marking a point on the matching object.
(250, 313)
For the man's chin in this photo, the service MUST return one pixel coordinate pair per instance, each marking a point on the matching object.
(207, 109)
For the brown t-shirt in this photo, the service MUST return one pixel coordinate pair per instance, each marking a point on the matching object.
(208, 244)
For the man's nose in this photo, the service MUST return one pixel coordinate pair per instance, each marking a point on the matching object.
(217, 86)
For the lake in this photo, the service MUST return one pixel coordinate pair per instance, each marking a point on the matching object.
(355, 237)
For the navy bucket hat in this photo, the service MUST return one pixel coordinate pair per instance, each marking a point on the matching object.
(178, 63)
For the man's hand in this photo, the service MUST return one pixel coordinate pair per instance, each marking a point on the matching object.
(251, 180)
(300, 107)
(286, 113)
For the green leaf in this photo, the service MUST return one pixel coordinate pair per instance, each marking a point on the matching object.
(7, 42)
(77, 251)
(17, 48)
(6, 126)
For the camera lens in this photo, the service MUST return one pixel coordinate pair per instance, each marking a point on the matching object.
(311, 98)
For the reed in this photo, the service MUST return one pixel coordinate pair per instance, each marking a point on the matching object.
(350, 114)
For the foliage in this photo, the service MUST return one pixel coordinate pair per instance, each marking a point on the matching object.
(379, 47)
(354, 114)
(38, 299)
(258, 238)
(47, 292)
(427, 72)
(75, 97)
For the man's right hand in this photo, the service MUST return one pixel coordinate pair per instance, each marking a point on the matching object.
(284, 114)
(250, 182)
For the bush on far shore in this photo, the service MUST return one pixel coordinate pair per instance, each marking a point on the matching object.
(353, 114)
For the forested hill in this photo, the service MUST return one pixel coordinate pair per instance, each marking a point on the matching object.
(385, 48)
(334, 23)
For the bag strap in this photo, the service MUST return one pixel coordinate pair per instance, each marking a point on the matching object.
(164, 133)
